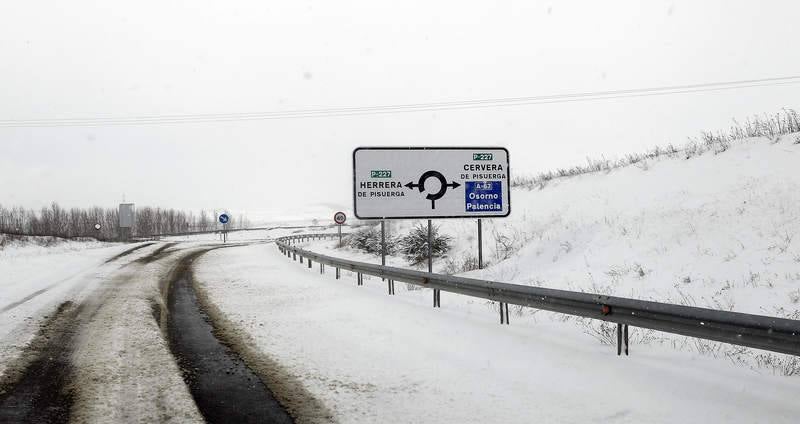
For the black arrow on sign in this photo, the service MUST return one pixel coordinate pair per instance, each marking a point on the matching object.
(433, 196)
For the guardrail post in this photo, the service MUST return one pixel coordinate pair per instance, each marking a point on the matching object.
(294, 256)
(337, 273)
(301, 258)
(622, 339)
(504, 313)
(321, 268)
(309, 262)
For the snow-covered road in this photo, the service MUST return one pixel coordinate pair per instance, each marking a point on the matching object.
(88, 346)
(332, 351)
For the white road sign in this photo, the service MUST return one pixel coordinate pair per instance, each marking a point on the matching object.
(430, 182)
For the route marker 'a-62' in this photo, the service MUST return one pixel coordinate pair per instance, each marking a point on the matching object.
(430, 182)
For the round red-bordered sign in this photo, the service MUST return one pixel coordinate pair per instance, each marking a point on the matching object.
(339, 218)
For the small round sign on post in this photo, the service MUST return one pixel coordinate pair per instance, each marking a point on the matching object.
(339, 218)
(224, 219)
(97, 227)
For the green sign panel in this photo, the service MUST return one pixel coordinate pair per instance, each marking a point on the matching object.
(380, 173)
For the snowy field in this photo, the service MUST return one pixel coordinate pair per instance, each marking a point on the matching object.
(715, 231)
(371, 357)
(718, 231)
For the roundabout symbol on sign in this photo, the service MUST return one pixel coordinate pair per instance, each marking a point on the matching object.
(443, 185)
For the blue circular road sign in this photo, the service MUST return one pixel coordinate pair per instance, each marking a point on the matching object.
(224, 218)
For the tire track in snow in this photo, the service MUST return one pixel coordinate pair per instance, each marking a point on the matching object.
(38, 391)
(39, 292)
(36, 386)
(128, 252)
(225, 389)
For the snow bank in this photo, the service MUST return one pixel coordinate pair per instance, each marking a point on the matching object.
(719, 231)
(371, 357)
(35, 279)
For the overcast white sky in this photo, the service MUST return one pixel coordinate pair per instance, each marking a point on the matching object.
(106, 59)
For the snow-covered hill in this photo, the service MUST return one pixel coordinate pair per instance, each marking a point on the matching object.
(718, 230)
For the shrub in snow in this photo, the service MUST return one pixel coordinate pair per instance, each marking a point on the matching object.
(414, 245)
(368, 239)
(466, 263)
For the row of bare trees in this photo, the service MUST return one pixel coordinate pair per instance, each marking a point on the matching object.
(57, 221)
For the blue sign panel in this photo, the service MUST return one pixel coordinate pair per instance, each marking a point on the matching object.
(484, 196)
(224, 218)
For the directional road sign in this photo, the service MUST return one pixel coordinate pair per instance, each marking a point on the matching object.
(430, 182)
(224, 218)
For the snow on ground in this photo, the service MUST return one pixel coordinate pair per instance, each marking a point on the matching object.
(719, 231)
(123, 369)
(35, 279)
(371, 357)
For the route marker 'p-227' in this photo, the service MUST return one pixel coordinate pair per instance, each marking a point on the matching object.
(430, 182)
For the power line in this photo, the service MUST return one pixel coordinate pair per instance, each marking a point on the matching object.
(402, 108)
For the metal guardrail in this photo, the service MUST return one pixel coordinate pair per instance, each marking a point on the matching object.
(756, 331)
(215, 231)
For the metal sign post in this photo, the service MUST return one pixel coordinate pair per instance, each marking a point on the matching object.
(383, 242)
(127, 216)
(480, 245)
(339, 218)
(224, 218)
(437, 300)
